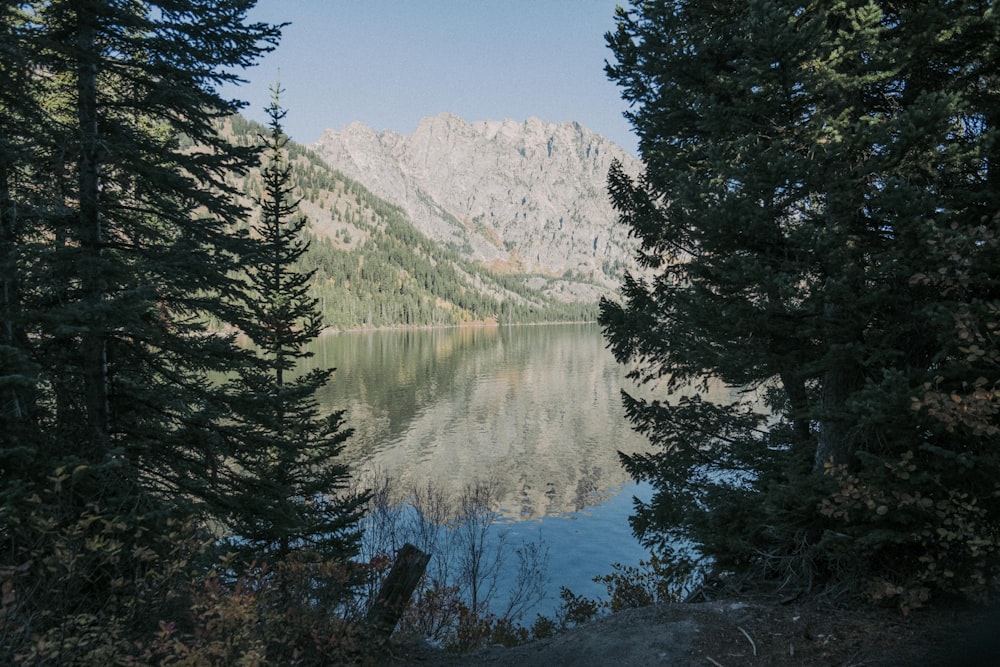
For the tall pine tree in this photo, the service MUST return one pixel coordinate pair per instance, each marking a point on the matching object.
(132, 250)
(18, 374)
(292, 491)
(811, 171)
(115, 229)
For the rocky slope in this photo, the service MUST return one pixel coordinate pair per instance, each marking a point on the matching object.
(524, 197)
(371, 267)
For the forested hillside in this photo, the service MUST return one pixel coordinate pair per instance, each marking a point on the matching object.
(514, 196)
(373, 268)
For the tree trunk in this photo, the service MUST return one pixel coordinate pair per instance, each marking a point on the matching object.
(835, 443)
(795, 389)
(13, 405)
(94, 342)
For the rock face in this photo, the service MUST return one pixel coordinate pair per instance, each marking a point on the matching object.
(524, 197)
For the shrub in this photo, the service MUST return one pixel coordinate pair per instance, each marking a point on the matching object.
(96, 585)
(458, 603)
(280, 615)
(85, 584)
(923, 523)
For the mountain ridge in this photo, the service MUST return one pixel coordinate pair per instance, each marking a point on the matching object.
(370, 267)
(490, 222)
(524, 197)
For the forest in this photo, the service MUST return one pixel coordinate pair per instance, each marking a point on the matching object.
(817, 222)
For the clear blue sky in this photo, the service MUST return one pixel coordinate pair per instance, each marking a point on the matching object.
(389, 63)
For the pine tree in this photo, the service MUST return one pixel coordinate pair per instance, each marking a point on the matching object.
(293, 491)
(15, 151)
(135, 243)
(18, 374)
(809, 168)
(117, 251)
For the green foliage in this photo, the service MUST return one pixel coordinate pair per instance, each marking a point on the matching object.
(929, 514)
(289, 489)
(818, 226)
(116, 248)
(576, 609)
(121, 237)
(655, 581)
(111, 588)
(651, 582)
(89, 582)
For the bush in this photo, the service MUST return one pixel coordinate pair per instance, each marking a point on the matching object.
(921, 524)
(654, 581)
(95, 585)
(457, 604)
(281, 615)
(85, 584)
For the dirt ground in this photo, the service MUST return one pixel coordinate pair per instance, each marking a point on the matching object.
(748, 633)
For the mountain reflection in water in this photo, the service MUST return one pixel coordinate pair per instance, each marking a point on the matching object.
(536, 408)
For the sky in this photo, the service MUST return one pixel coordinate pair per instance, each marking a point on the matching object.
(389, 63)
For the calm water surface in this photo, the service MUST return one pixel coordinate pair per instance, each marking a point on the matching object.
(535, 408)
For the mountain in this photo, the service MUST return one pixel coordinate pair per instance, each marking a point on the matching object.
(436, 235)
(524, 198)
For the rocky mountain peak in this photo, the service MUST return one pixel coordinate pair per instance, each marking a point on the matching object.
(528, 197)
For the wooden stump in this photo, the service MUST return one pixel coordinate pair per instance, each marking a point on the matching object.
(396, 590)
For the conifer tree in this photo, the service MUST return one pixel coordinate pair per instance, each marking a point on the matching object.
(16, 151)
(19, 156)
(117, 250)
(292, 491)
(812, 170)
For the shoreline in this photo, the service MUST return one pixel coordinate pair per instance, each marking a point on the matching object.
(483, 324)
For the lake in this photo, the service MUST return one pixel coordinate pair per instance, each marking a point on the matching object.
(537, 409)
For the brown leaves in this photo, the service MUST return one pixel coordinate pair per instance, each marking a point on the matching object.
(972, 408)
(941, 537)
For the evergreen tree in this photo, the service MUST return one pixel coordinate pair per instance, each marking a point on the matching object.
(116, 250)
(292, 491)
(133, 248)
(17, 114)
(811, 171)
